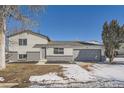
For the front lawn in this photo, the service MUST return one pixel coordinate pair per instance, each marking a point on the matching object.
(20, 73)
(86, 65)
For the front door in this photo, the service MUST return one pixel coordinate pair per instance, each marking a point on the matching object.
(43, 53)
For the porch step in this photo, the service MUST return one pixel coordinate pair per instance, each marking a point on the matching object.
(58, 62)
(41, 62)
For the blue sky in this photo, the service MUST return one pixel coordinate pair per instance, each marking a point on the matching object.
(73, 22)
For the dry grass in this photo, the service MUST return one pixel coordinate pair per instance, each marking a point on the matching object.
(86, 65)
(20, 73)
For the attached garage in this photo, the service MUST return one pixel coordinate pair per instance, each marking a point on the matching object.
(87, 55)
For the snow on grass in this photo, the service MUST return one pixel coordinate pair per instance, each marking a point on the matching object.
(71, 73)
(112, 72)
(75, 73)
(2, 79)
(47, 78)
(119, 59)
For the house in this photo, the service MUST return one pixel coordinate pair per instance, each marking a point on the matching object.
(27, 46)
(120, 51)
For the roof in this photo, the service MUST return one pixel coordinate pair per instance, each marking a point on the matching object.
(71, 43)
(29, 31)
(64, 44)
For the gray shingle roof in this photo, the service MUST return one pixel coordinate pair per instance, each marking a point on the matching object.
(64, 44)
(70, 43)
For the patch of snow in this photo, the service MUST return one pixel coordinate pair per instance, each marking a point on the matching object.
(71, 73)
(111, 72)
(75, 73)
(47, 78)
(117, 60)
(97, 84)
(2, 79)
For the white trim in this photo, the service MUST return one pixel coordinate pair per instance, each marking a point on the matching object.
(40, 53)
(22, 59)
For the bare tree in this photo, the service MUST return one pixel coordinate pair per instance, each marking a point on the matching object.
(7, 11)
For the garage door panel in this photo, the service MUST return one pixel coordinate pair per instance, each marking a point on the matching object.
(87, 55)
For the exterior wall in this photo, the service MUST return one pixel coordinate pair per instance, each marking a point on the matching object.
(67, 52)
(13, 56)
(31, 41)
(67, 56)
(121, 49)
(33, 56)
(60, 58)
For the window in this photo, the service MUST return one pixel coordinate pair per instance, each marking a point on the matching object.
(22, 42)
(58, 50)
(22, 56)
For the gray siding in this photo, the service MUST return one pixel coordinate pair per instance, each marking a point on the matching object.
(33, 56)
(60, 58)
(13, 56)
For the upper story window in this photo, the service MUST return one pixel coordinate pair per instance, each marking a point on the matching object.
(22, 42)
(58, 50)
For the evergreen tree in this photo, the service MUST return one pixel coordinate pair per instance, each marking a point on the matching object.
(111, 37)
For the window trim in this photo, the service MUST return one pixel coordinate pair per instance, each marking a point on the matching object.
(58, 51)
(22, 56)
(22, 42)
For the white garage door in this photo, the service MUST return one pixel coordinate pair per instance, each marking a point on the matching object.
(87, 54)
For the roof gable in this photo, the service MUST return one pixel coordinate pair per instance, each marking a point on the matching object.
(29, 31)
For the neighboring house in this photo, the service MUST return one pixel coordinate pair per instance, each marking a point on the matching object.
(120, 51)
(31, 46)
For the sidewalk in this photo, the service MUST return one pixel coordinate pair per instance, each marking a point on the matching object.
(8, 85)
